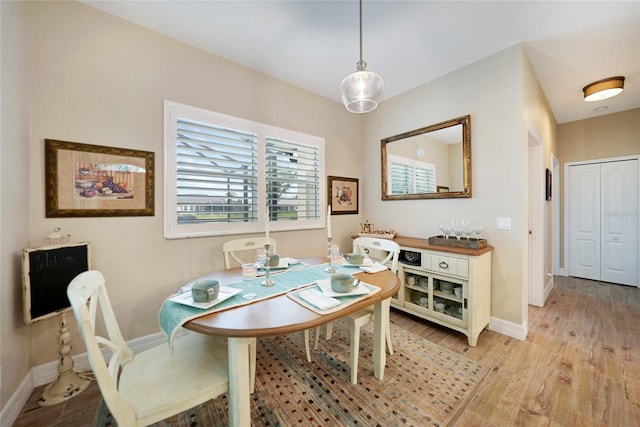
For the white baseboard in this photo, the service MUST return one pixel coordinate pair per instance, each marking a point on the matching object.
(547, 289)
(509, 329)
(48, 373)
(18, 399)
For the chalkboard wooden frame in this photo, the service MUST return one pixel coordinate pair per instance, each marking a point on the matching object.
(84, 180)
(46, 273)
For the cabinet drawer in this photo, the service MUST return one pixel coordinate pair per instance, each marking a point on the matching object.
(446, 264)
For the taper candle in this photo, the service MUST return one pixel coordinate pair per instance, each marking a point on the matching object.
(266, 230)
(329, 222)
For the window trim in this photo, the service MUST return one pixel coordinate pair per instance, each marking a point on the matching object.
(173, 230)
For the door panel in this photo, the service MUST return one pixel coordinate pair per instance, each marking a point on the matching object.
(619, 212)
(584, 223)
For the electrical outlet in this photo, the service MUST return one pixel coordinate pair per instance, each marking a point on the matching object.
(503, 224)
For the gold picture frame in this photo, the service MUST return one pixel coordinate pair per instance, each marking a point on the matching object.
(343, 195)
(84, 180)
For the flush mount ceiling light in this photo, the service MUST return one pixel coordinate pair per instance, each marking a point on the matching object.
(603, 89)
(361, 90)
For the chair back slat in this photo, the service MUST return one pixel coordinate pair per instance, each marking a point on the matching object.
(388, 250)
(87, 295)
(231, 248)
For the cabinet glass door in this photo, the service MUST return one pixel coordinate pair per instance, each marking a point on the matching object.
(417, 290)
(448, 298)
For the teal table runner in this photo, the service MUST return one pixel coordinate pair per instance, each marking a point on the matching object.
(173, 315)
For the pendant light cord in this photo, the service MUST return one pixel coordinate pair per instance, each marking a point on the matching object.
(360, 30)
(361, 65)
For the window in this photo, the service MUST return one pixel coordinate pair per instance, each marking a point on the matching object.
(410, 176)
(225, 175)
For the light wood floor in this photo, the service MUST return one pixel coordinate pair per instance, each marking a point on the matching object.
(580, 365)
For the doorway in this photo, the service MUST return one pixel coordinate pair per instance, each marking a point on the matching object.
(602, 220)
(535, 241)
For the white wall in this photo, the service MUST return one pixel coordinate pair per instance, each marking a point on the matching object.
(99, 80)
(491, 91)
(15, 342)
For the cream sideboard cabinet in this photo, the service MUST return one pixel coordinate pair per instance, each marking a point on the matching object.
(446, 285)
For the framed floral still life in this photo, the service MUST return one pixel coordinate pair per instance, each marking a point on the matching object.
(83, 180)
(343, 195)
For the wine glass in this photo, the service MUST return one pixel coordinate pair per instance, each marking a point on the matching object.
(334, 254)
(467, 229)
(249, 273)
(457, 227)
(477, 229)
(261, 258)
(447, 229)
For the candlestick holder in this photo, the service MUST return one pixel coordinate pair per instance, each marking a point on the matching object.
(330, 268)
(267, 281)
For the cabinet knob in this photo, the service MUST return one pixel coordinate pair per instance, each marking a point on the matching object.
(443, 265)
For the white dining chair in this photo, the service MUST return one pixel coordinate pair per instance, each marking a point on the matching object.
(386, 252)
(230, 250)
(147, 387)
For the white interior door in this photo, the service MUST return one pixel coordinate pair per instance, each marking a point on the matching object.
(603, 221)
(619, 210)
(584, 221)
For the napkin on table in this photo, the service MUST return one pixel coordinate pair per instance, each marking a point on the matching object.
(375, 268)
(318, 299)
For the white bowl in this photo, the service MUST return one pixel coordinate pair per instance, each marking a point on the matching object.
(446, 287)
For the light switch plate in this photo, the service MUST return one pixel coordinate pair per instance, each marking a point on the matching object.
(503, 224)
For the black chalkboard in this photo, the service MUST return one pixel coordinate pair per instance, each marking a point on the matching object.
(46, 274)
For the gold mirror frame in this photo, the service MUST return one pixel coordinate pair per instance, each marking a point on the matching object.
(465, 121)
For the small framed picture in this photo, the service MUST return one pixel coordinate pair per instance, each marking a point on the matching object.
(84, 180)
(547, 192)
(343, 195)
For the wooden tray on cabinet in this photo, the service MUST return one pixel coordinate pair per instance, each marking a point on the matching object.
(464, 242)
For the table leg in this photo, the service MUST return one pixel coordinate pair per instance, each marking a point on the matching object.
(239, 382)
(380, 322)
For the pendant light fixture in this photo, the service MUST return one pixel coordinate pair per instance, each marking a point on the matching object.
(603, 89)
(361, 90)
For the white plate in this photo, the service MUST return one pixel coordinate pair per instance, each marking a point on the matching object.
(284, 263)
(325, 285)
(185, 298)
(367, 262)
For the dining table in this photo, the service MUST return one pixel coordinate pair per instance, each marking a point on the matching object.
(281, 315)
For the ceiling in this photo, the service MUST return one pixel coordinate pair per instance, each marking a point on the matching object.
(315, 44)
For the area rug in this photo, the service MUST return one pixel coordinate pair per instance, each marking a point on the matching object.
(423, 385)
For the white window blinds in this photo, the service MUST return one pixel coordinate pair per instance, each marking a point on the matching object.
(293, 176)
(410, 176)
(225, 175)
(217, 174)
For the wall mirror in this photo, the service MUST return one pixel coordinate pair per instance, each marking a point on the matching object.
(433, 162)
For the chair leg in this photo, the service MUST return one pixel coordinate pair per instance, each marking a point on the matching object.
(328, 331)
(355, 348)
(306, 344)
(252, 364)
(316, 337)
(388, 336)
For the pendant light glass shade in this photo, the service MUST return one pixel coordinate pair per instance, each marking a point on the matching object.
(603, 89)
(360, 91)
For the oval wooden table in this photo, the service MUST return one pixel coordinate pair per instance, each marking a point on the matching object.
(281, 315)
